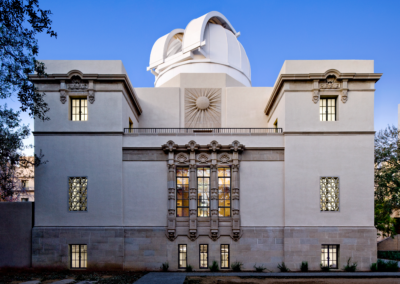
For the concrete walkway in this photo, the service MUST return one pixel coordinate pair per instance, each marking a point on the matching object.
(179, 277)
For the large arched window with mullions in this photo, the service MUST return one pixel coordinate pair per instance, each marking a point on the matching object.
(224, 192)
(203, 192)
(182, 192)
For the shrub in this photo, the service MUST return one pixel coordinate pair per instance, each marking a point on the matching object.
(374, 267)
(237, 266)
(282, 267)
(325, 268)
(260, 268)
(164, 267)
(304, 266)
(350, 267)
(214, 266)
(390, 266)
(393, 255)
(189, 268)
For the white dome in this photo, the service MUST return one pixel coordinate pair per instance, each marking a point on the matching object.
(208, 45)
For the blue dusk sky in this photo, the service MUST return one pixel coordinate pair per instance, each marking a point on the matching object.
(271, 32)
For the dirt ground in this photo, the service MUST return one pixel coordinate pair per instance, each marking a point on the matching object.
(262, 280)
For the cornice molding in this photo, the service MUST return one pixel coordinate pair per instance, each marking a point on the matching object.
(77, 133)
(329, 133)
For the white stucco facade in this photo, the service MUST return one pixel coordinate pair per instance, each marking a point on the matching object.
(271, 138)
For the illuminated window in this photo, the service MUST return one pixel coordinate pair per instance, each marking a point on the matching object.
(203, 256)
(79, 110)
(182, 192)
(78, 193)
(329, 193)
(224, 192)
(224, 256)
(182, 254)
(78, 256)
(327, 109)
(203, 191)
(329, 255)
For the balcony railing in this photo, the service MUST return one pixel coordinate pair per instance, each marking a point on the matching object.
(202, 130)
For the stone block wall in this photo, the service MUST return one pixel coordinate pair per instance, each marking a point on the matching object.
(390, 244)
(139, 248)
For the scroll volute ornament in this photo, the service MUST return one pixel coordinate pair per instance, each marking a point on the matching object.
(170, 146)
(192, 145)
(236, 146)
(214, 146)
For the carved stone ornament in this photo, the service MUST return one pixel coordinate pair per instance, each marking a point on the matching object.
(171, 213)
(235, 193)
(214, 236)
(224, 158)
(171, 167)
(236, 146)
(193, 196)
(344, 96)
(171, 236)
(77, 85)
(214, 146)
(236, 235)
(182, 158)
(203, 158)
(193, 212)
(63, 96)
(214, 196)
(91, 96)
(202, 108)
(330, 83)
(169, 146)
(193, 236)
(315, 96)
(192, 145)
(171, 194)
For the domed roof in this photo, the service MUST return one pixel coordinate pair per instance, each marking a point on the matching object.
(209, 44)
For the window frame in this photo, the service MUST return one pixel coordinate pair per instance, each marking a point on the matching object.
(87, 194)
(209, 189)
(203, 267)
(176, 192)
(80, 108)
(80, 257)
(229, 256)
(338, 196)
(337, 254)
(179, 256)
(326, 109)
(230, 191)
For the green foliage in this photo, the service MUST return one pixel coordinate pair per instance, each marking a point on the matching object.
(189, 268)
(393, 255)
(304, 266)
(350, 267)
(325, 268)
(282, 267)
(373, 267)
(237, 266)
(390, 266)
(387, 179)
(259, 268)
(214, 266)
(164, 267)
(20, 22)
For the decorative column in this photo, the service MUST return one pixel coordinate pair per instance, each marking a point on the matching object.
(192, 147)
(236, 232)
(170, 147)
(214, 232)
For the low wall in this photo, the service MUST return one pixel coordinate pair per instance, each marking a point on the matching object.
(16, 234)
(390, 244)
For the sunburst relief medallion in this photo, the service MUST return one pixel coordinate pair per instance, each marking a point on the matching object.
(202, 108)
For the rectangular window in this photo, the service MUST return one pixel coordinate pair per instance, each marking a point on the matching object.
(79, 110)
(182, 261)
(78, 193)
(224, 192)
(203, 256)
(24, 199)
(224, 256)
(203, 191)
(327, 109)
(78, 256)
(182, 192)
(24, 183)
(329, 255)
(329, 193)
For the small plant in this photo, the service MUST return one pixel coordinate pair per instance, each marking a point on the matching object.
(390, 266)
(164, 267)
(374, 267)
(304, 266)
(189, 268)
(325, 268)
(282, 267)
(350, 267)
(260, 268)
(237, 266)
(214, 266)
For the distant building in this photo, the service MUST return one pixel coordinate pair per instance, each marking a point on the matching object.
(204, 166)
(26, 184)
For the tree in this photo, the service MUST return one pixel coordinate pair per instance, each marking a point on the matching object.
(20, 22)
(387, 180)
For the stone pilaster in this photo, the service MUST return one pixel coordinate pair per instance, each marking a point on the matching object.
(193, 235)
(235, 190)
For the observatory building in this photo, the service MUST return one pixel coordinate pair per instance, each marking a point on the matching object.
(204, 166)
